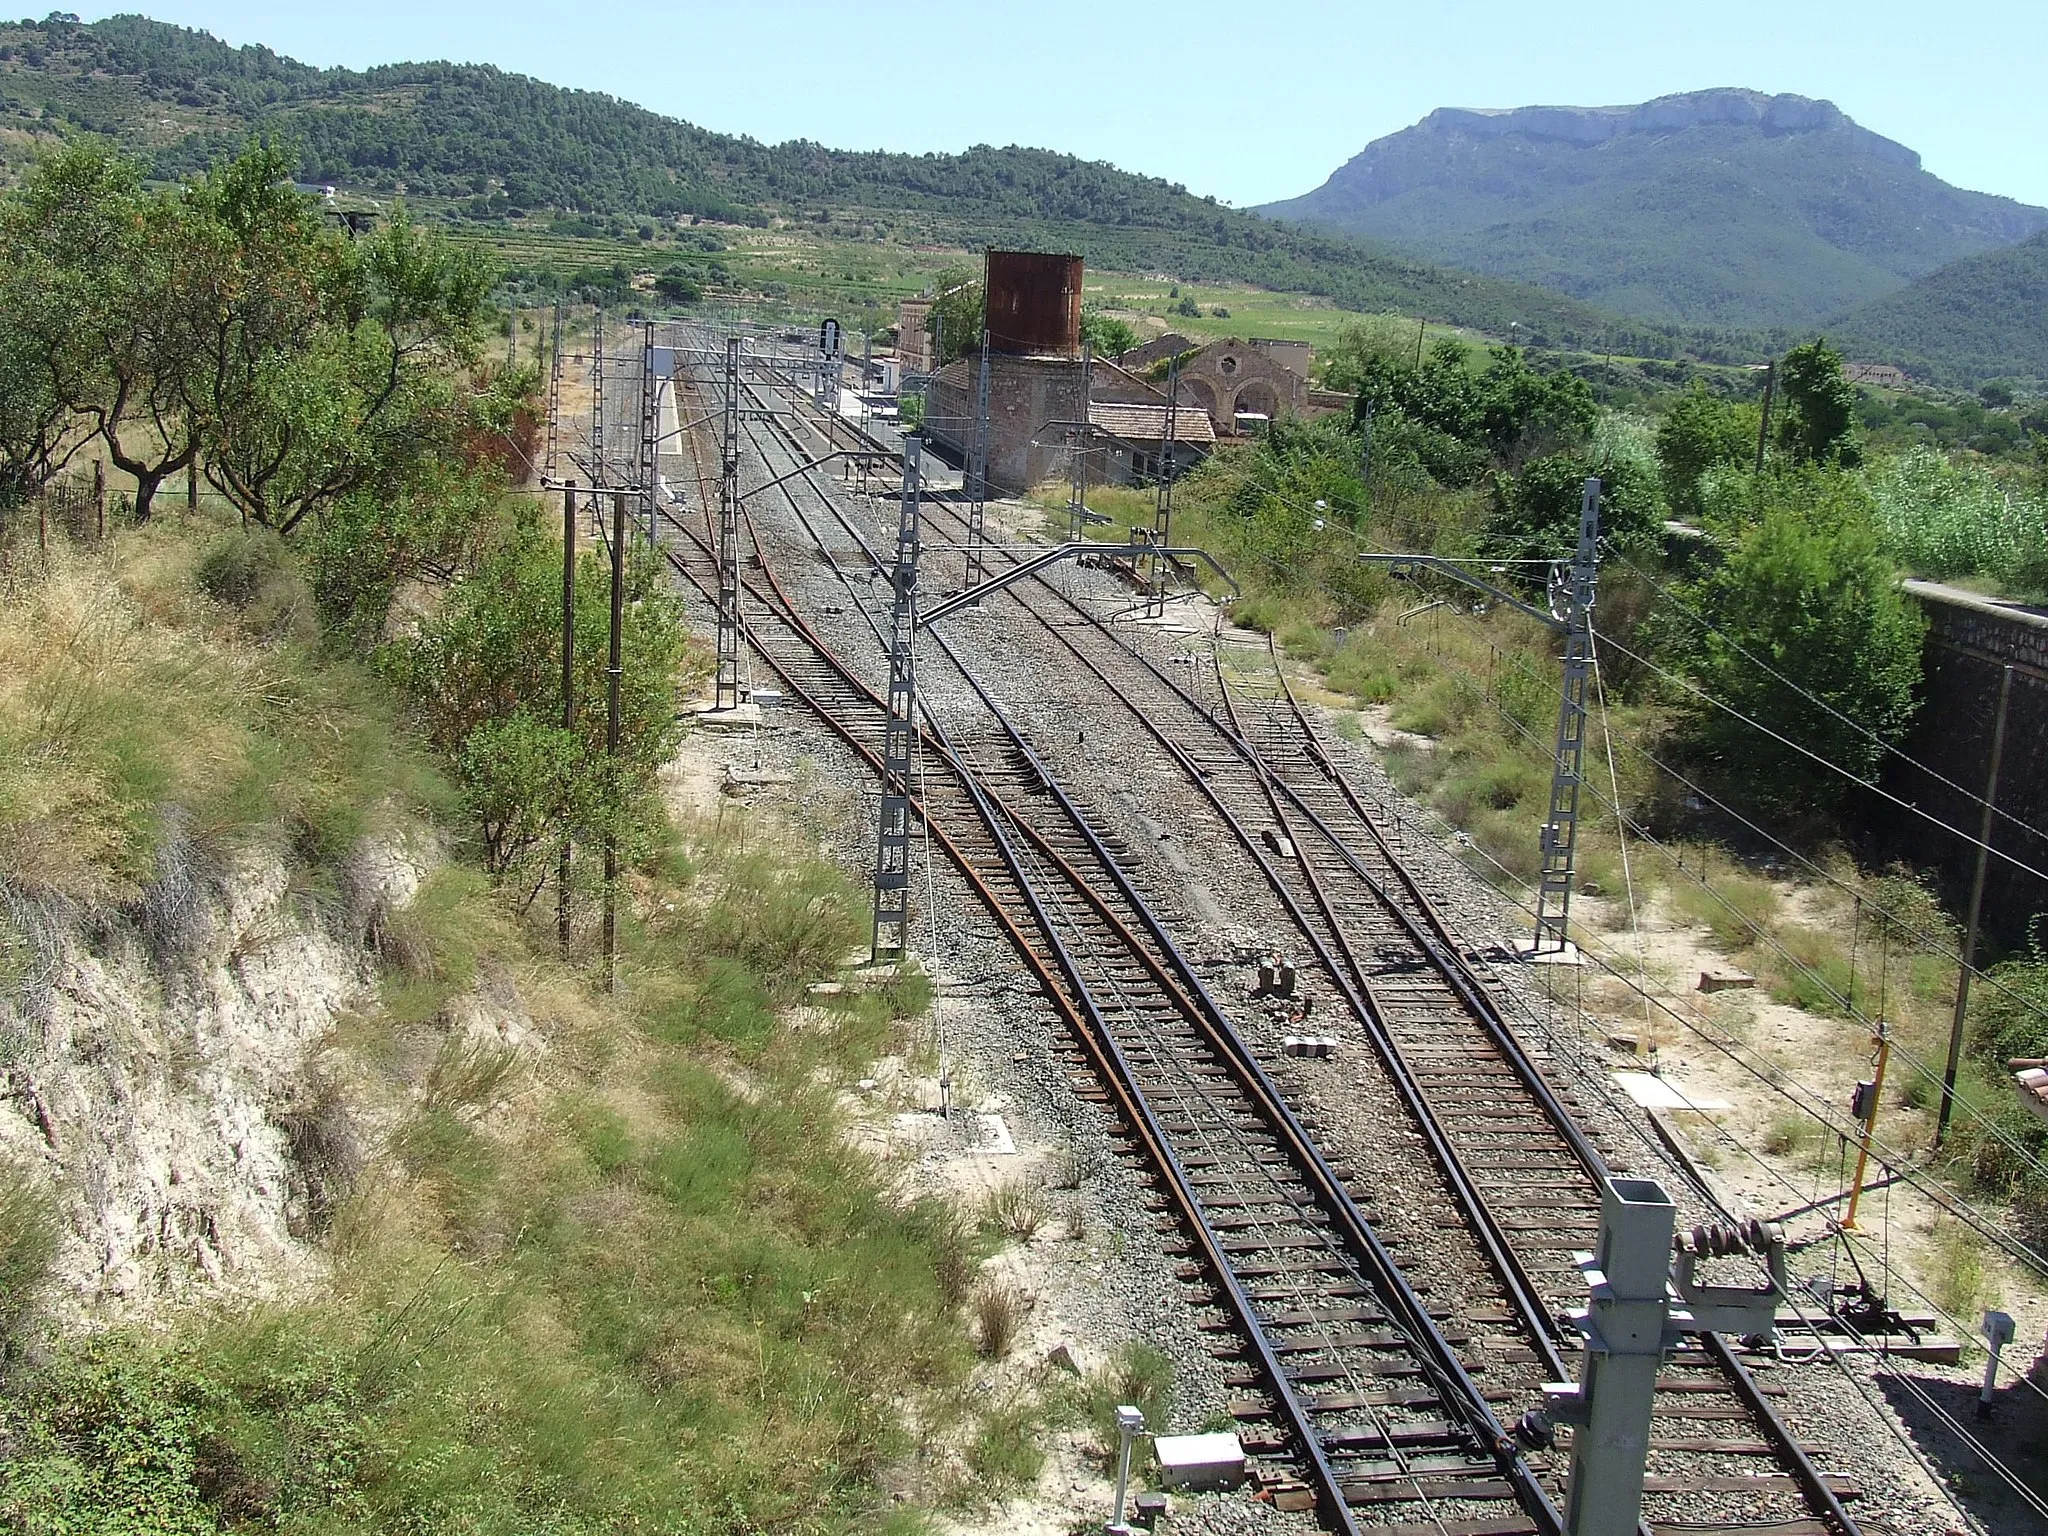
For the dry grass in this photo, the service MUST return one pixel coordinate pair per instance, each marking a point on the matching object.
(1016, 1210)
(145, 734)
(998, 1317)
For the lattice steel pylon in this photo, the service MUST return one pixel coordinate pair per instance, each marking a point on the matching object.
(977, 478)
(1561, 827)
(600, 459)
(1162, 510)
(553, 472)
(1077, 506)
(727, 695)
(649, 474)
(899, 735)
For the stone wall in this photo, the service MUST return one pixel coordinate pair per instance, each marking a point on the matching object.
(1970, 642)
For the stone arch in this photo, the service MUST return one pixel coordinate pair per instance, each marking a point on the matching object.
(1205, 393)
(1259, 397)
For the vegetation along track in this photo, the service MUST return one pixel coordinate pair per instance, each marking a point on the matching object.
(1520, 1173)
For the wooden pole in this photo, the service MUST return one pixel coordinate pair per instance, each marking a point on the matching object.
(613, 671)
(1984, 829)
(562, 889)
(99, 498)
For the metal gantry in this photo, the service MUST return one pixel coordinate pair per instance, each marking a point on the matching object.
(727, 687)
(977, 478)
(899, 736)
(649, 429)
(1561, 827)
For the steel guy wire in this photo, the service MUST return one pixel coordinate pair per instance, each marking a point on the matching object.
(1997, 1132)
(1847, 1003)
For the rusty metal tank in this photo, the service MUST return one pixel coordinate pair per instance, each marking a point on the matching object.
(1034, 303)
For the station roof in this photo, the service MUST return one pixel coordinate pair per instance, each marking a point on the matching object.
(1146, 423)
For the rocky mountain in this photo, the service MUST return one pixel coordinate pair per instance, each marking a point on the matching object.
(469, 142)
(1725, 207)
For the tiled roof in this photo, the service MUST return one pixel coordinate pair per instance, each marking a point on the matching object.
(1142, 423)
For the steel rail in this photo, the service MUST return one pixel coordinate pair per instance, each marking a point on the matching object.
(1465, 1394)
(1079, 1011)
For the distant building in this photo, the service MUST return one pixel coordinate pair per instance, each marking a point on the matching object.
(1241, 380)
(1880, 375)
(1294, 356)
(913, 341)
(1032, 401)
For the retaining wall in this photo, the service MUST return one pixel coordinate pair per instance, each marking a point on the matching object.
(1970, 642)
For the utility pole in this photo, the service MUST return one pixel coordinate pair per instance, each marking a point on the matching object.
(1162, 510)
(1561, 829)
(727, 686)
(601, 473)
(1077, 508)
(1984, 829)
(1640, 1305)
(891, 934)
(977, 475)
(614, 670)
(562, 889)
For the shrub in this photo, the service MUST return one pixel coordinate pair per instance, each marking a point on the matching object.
(1016, 1209)
(1808, 592)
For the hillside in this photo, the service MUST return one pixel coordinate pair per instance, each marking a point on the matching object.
(1720, 207)
(481, 144)
(1985, 316)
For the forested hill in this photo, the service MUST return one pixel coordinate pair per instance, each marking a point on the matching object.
(493, 145)
(1985, 316)
(1714, 207)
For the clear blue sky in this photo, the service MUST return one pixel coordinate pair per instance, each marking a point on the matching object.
(1249, 101)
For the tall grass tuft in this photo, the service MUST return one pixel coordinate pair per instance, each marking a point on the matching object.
(1949, 521)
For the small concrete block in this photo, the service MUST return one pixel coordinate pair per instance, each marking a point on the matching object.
(994, 1136)
(826, 988)
(1725, 981)
(1279, 843)
(1294, 1500)
(1317, 1046)
(1151, 1508)
(1199, 1462)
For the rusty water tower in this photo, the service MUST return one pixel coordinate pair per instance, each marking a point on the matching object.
(1034, 303)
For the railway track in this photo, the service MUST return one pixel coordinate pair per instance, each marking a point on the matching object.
(1361, 1398)
(1285, 1236)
